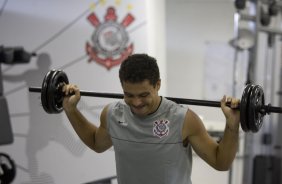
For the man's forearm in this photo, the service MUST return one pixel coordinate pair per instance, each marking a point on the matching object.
(228, 147)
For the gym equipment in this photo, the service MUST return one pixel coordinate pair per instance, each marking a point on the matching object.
(6, 132)
(14, 55)
(107, 180)
(7, 169)
(1, 83)
(245, 39)
(240, 4)
(266, 169)
(265, 18)
(252, 107)
(273, 8)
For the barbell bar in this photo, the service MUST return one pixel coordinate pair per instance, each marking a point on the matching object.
(209, 103)
(252, 107)
(120, 96)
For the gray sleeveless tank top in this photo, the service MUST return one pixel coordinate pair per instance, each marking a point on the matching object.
(149, 150)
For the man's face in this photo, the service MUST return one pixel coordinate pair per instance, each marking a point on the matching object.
(142, 98)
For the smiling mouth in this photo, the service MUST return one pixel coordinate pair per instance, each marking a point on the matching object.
(137, 108)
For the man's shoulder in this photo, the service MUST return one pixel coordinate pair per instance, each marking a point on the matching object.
(173, 106)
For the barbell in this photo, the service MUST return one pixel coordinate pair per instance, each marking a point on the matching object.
(252, 106)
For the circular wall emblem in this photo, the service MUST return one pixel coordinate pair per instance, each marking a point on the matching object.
(110, 40)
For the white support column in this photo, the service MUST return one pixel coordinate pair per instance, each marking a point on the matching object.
(156, 37)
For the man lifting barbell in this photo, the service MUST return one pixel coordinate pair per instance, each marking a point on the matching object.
(152, 136)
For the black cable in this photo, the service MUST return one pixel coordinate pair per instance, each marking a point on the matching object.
(15, 90)
(62, 30)
(73, 62)
(3, 7)
(63, 67)
(7, 69)
(138, 26)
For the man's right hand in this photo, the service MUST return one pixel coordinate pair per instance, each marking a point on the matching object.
(72, 97)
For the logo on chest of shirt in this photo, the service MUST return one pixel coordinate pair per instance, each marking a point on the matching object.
(161, 128)
(122, 123)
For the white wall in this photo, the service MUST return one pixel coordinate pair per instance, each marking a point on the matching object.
(156, 37)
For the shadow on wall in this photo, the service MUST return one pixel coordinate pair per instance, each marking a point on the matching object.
(43, 128)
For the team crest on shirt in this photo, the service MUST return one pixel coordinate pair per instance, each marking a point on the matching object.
(161, 128)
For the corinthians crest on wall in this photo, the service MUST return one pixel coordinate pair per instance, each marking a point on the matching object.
(110, 40)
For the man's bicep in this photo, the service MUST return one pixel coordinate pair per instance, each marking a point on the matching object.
(102, 140)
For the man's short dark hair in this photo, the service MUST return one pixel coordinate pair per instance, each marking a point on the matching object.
(139, 67)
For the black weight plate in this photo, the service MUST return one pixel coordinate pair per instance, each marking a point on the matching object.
(244, 105)
(55, 93)
(51, 91)
(8, 169)
(256, 102)
(44, 91)
(60, 78)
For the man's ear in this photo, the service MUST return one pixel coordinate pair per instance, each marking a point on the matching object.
(158, 84)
